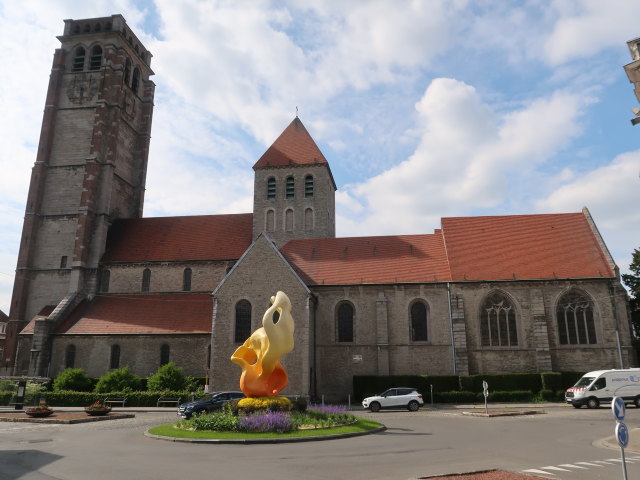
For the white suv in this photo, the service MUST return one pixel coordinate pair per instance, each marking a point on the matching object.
(395, 398)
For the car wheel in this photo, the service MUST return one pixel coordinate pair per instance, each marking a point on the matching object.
(413, 406)
(374, 407)
(577, 405)
(593, 403)
(636, 401)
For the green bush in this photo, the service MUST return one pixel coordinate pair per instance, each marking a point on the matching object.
(218, 421)
(82, 399)
(72, 379)
(455, 397)
(503, 382)
(509, 396)
(8, 386)
(569, 379)
(5, 397)
(167, 377)
(121, 380)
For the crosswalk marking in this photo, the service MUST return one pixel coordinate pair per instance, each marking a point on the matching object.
(551, 467)
(569, 465)
(533, 470)
(573, 467)
(590, 464)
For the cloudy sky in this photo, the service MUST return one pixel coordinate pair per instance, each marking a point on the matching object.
(424, 109)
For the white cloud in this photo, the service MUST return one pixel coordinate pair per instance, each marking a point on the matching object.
(469, 157)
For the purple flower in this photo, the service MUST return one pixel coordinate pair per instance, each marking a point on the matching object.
(269, 422)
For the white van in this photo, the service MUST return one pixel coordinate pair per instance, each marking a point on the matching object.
(602, 385)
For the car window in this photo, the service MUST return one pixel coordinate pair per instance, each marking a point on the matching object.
(599, 384)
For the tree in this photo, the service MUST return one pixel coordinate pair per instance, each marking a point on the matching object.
(632, 281)
(72, 379)
(167, 377)
(121, 380)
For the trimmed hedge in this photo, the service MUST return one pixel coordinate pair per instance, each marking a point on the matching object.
(502, 382)
(82, 399)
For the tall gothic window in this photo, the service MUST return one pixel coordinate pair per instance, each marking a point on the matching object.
(127, 71)
(114, 360)
(498, 326)
(70, 356)
(78, 60)
(270, 221)
(345, 322)
(308, 186)
(575, 320)
(95, 61)
(289, 188)
(186, 280)
(243, 321)
(271, 188)
(165, 350)
(419, 322)
(308, 219)
(135, 81)
(146, 280)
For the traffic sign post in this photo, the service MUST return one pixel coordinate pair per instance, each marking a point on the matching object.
(622, 432)
(485, 392)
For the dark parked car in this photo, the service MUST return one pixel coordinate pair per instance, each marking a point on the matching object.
(209, 403)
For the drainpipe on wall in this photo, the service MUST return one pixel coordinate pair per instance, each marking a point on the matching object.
(453, 341)
(615, 318)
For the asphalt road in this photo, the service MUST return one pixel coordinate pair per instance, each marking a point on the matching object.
(563, 443)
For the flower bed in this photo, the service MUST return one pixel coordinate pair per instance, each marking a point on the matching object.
(39, 411)
(97, 408)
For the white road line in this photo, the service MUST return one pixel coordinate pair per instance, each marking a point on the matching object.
(551, 467)
(590, 464)
(533, 470)
(602, 461)
(569, 465)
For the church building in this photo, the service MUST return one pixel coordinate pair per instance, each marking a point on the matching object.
(98, 286)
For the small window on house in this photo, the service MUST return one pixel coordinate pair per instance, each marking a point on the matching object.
(127, 71)
(63, 261)
(419, 322)
(70, 356)
(243, 321)
(576, 324)
(271, 188)
(308, 219)
(146, 280)
(186, 280)
(135, 81)
(270, 221)
(165, 350)
(87, 28)
(105, 279)
(498, 327)
(345, 322)
(290, 191)
(78, 60)
(209, 356)
(76, 28)
(95, 62)
(97, 27)
(114, 360)
(288, 220)
(308, 186)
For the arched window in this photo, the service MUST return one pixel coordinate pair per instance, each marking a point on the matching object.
(114, 360)
(165, 350)
(575, 320)
(270, 221)
(271, 188)
(243, 321)
(105, 279)
(135, 81)
(288, 220)
(498, 322)
(97, 27)
(308, 186)
(87, 28)
(289, 188)
(345, 322)
(95, 62)
(308, 219)
(127, 71)
(70, 356)
(146, 280)
(186, 280)
(418, 322)
(78, 60)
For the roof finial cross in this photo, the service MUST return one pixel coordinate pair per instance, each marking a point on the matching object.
(296, 111)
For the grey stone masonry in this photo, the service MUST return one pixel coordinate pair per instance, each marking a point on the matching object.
(382, 331)
(459, 335)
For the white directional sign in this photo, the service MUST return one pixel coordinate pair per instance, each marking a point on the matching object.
(618, 408)
(622, 434)
(485, 388)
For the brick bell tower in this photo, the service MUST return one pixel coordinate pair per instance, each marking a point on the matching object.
(90, 169)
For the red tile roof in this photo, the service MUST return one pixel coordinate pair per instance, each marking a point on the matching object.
(141, 314)
(523, 247)
(201, 237)
(44, 313)
(385, 259)
(294, 146)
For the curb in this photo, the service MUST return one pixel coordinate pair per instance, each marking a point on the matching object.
(245, 441)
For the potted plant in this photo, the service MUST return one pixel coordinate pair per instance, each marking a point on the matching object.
(42, 410)
(97, 408)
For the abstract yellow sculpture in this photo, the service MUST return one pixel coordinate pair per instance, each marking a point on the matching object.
(259, 356)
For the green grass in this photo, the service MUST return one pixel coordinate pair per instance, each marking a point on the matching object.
(168, 430)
